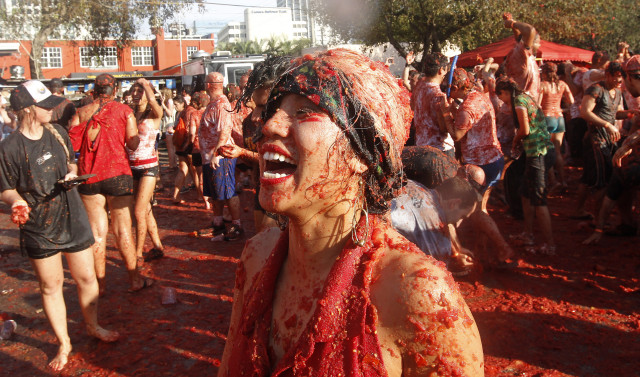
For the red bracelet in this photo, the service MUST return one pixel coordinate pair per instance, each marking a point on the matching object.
(630, 114)
(598, 230)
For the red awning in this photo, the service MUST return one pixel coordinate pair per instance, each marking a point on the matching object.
(548, 51)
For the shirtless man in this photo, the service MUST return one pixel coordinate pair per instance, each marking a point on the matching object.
(520, 63)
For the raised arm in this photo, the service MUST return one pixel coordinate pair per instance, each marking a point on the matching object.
(520, 29)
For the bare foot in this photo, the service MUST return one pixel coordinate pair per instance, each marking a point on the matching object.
(142, 284)
(61, 358)
(103, 334)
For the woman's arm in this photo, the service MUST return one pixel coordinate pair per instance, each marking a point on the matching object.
(156, 109)
(523, 121)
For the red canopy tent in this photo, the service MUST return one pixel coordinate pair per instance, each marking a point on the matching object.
(548, 51)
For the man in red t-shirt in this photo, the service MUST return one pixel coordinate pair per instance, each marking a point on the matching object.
(107, 127)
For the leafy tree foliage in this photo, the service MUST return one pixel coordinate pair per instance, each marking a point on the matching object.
(271, 46)
(96, 20)
(419, 25)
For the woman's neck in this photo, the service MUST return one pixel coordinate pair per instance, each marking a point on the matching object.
(316, 242)
(32, 130)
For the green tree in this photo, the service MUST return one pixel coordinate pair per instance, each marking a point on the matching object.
(97, 20)
(419, 25)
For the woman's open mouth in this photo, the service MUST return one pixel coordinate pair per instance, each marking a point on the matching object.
(277, 166)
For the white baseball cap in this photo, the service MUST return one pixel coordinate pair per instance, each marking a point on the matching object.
(31, 93)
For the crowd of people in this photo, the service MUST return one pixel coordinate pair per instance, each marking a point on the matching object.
(361, 184)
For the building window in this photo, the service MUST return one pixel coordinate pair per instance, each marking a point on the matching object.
(107, 57)
(51, 57)
(191, 50)
(142, 56)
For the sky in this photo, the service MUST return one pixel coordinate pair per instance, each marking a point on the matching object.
(215, 15)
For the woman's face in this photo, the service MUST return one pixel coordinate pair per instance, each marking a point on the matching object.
(504, 96)
(137, 93)
(302, 159)
(43, 115)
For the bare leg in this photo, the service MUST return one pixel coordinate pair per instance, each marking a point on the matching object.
(181, 174)
(544, 221)
(81, 267)
(234, 207)
(171, 151)
(528, 215)
(50, 276)
(121, 208)
(143, 211)
(556, 139)
(95, 206)
(583, 193)
(197, 180)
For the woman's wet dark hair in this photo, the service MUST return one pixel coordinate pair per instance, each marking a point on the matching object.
(264, 74)
(505, 83)
(551, 70)
(367, 103)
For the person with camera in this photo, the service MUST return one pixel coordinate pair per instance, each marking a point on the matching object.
(38, 175)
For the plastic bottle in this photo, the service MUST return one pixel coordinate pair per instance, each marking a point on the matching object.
(169, 296)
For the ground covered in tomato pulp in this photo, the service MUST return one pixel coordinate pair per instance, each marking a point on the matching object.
(573, 314)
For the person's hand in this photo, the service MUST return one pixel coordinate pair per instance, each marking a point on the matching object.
(593, 239)
(613, 132)
(507, 19)
(621, 153)
(142, 81)
(70, 176)
(230, 151)
(20, 212)
(215, 162)
(410, 58)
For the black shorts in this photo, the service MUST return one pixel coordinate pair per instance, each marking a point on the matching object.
(148, 172)
(534, 184)
(598, 167)
(121, 185)
(196, 159)
(38, 253)
(182, 154)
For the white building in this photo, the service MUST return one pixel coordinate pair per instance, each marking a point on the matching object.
(291, 20)
(267, 23)
(233, 32)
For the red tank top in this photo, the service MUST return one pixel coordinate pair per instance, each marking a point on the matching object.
(106, 156)
(340, 338)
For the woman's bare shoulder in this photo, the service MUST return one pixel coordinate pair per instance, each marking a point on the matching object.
(422, 313)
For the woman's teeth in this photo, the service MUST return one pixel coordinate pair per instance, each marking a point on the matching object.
(274, 156)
